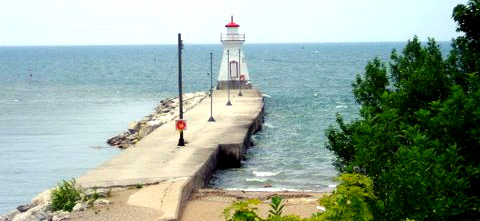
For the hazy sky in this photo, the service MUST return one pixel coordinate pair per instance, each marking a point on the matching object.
(85, 22)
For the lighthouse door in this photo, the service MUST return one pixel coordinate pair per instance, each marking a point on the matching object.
(233, 69)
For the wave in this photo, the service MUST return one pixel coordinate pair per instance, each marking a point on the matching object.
(267, 189)
(266, 95)
(253, 139)
(10, 101)
(265, 174)
(267, 125)
(256, 180)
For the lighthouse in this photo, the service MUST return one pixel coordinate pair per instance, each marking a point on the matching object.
(233, 68)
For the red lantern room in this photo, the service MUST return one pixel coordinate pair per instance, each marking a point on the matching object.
(232, 24)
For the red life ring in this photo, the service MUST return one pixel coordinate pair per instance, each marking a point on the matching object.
(181, 125)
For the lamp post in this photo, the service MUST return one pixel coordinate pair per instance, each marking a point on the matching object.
(228, 78)
(181, 142)
(239, 74)
(211, 89)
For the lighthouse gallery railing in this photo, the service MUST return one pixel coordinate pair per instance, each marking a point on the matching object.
(232, 37)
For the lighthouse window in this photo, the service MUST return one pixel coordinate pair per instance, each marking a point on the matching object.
(233, 69)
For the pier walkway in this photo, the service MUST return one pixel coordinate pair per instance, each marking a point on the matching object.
(157, 159)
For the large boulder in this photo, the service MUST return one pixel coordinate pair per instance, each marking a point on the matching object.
(37, 213)
(134, 126)
(80, 206)
(114, 141)
(24, 208)
(42, 198)
(9, 216)
(101, 202)
(144, 131)
(60, 216)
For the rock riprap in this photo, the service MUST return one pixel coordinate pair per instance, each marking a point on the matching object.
(166, 111)
(40, 209)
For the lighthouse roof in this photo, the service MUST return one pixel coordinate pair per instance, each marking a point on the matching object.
(232, 24)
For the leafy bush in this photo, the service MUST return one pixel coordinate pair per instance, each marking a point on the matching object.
(243, 210)
(65, 196)
(347, 202)
(418, 135)
(349, 199)
(276, 206)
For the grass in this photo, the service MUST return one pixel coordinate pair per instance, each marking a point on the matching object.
(65, 195)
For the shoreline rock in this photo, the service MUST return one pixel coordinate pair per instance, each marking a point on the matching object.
(40, 209)
(37, 210)
(167, 110)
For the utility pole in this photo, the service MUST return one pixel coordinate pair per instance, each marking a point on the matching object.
(228, 78)
(211, 88)
(239, 74)
(181, 142)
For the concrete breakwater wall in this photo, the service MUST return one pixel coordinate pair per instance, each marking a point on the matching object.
(227, 155)
(170, 171)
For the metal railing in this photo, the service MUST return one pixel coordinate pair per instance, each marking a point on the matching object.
(232, 37)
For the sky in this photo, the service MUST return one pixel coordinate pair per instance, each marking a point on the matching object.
(126, 22)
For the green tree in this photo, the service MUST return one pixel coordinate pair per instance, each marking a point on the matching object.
(418, 135)
(464, 57)
(349, 200)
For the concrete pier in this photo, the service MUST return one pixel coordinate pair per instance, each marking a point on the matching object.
(157, 159)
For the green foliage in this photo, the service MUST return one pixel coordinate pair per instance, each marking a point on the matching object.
(418, 136)
(467, 17)
(347, 202)
(276, 206)
(91, 198)
(243, 210)
(349, 199)
(65, 196)
(368, 91)
(463, 61)
(288, 218)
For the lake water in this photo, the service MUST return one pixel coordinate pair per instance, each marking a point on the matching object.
(58, 105)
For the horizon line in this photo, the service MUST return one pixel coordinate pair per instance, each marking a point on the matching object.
(219, 43)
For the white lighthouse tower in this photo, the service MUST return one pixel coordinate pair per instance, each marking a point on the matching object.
(233, 67)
